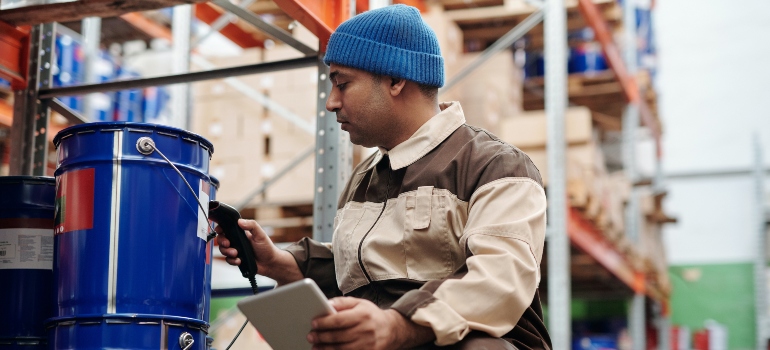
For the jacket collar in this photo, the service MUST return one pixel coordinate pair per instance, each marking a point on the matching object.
(425, 139)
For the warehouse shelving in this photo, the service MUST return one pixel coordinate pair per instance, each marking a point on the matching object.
(617, 275)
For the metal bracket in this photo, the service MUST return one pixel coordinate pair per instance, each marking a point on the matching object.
(186, 341)
(145, 145)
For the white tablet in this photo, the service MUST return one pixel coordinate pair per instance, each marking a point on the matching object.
(283, 315)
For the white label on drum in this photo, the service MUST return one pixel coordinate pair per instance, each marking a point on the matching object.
(203, 195)
(26, 248)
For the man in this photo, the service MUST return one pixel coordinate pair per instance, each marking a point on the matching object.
(439, 235)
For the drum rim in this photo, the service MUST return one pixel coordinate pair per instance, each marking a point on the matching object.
(157, 127)
(27, 179)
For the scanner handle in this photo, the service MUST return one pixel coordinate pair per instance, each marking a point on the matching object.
(227, 217)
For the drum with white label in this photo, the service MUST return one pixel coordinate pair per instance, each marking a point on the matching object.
(26, 260)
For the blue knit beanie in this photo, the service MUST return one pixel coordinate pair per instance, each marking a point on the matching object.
(392, 41)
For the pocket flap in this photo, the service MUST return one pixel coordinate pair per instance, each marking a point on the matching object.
(422, 208)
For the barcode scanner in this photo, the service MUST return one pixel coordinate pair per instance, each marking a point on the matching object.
(227, 217)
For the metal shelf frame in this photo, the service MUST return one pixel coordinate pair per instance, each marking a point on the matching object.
(20, 53)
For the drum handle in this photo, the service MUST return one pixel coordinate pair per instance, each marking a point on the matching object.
(146, 146)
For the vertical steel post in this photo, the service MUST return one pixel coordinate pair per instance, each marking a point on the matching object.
(92, 33)
(333, 161)
(181, 27)
(636, 318)
(760, 263)
(375, 4)
(664, 331)
(636, 322)
(43, 113)
(29, 137)
(559, 293)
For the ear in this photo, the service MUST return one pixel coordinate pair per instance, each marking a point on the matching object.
(396, 86)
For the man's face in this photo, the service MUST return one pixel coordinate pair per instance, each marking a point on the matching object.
(362, 106)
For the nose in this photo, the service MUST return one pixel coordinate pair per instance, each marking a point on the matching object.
(333, 103)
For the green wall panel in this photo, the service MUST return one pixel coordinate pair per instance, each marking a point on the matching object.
(723, 292)
(222, 304)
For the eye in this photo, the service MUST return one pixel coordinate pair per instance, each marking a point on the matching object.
(341, 86)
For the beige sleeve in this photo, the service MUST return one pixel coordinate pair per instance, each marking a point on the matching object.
(504, 239)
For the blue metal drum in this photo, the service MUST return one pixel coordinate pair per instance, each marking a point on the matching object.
(26, 260)
(130, 254)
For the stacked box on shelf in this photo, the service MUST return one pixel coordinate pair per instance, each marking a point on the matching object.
(295, 90)
(450, 40)
(231, 121)
(527, 131)
(253, 141)
(651, 246)
(491, 94)
(601, 195)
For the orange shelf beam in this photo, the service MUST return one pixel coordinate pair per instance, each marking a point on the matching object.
(6, 114)
(147, 26)
(588, 238)
(594, 18)
(13, 54)
(363, 5)
(320, 17)
(208, 14)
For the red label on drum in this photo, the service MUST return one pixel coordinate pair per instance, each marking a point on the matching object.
(75, 201)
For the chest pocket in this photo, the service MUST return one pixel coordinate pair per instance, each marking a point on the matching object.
(431, 248)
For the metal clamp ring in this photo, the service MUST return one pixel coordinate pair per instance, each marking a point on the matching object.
(186, 341)
(145, 145)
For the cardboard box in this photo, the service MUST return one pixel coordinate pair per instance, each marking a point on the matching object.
(490, 94)
(529, 129)
(449, 35)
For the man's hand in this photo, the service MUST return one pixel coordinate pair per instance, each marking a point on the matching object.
(271, 262)
(360, 324)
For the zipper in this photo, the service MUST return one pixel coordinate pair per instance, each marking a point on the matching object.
(361, 244)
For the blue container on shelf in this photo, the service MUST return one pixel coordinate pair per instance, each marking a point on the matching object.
(595, 342)
(69, 68)
(130, 249)
(154, 103)
(586, 58)
(534, 64)
(128, 103)
(102, 105)
(26, 260)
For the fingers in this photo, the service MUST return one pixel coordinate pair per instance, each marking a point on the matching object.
(331, 337)
(231, 254)
(344, 303)
(336, 321)
(222, 240)
(249, 225)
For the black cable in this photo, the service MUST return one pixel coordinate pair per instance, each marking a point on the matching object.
(236, 336)
(254, 288)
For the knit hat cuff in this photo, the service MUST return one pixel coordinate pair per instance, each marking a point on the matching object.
(375, 57)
